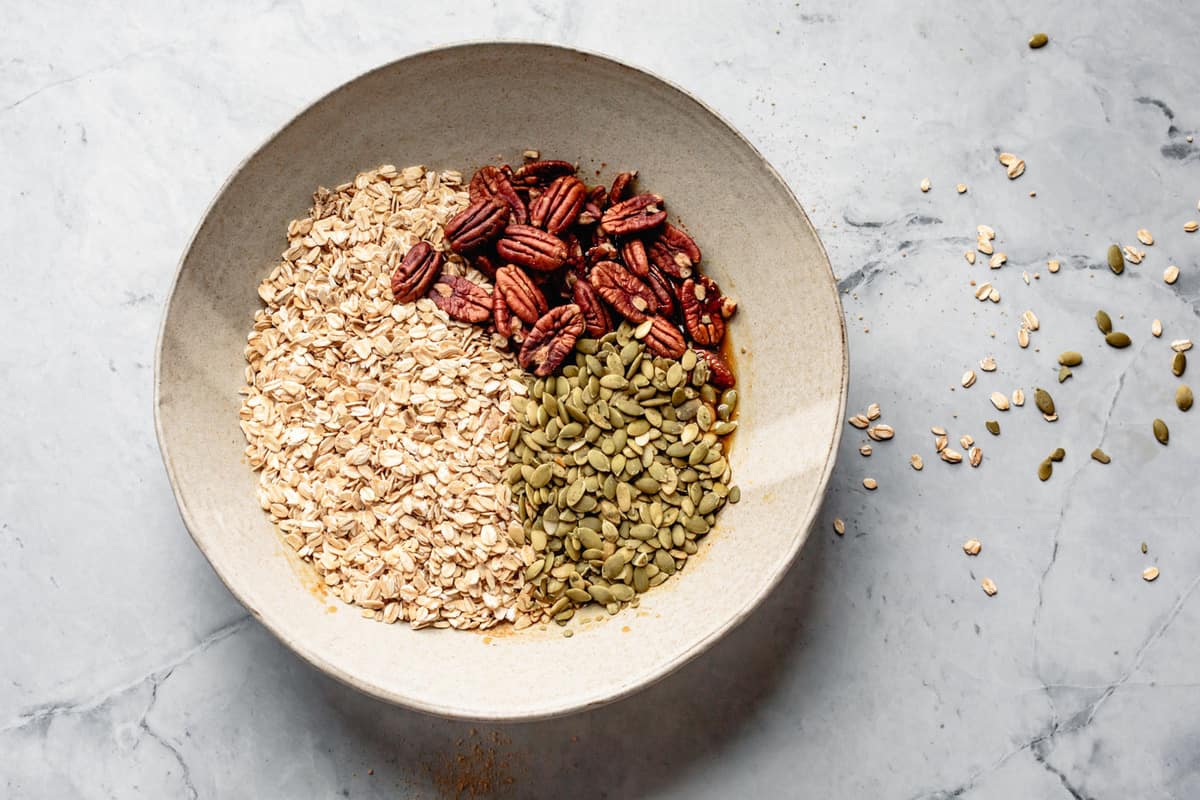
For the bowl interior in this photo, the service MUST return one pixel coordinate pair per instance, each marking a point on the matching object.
(460, 108)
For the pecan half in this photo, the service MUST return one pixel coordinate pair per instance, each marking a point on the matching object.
(703, 322)
(416, 272)
(596, 318)
(532, 248)
(477, 224)
(624, 291)
(491, 182)
(506, 324)
(663, 292)
(622, 187)
(633, 251)
(598, 195)
(542, 172)
(557, 208)
(522, 296)
(638, 213)
(664, 339)
(551, 340)
(674, 252)
(720, 374)
(461, 299)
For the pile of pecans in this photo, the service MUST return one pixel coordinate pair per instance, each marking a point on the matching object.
(567, 259)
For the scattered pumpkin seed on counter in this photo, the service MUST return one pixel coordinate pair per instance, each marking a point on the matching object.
(1183, 397)
(1104, 322)
(619, 466)
(1118, 339)
(1116, 260)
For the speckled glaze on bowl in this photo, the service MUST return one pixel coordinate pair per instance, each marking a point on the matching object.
(459, 108)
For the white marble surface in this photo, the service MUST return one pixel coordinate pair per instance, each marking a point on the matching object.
(879, 669)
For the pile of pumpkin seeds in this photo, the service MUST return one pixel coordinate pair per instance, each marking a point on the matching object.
(618, 465)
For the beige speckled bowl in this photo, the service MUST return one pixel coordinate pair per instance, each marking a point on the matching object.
(459, 108)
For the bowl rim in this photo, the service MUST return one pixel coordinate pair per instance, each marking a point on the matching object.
(560, 708)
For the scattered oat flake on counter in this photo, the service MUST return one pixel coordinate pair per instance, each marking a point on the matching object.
(870, 483)
(1053, 266)
(969, 255)
(865, 450)
(917, 462)
(1145, 237)
(1149, 574)
(989, 587)
(1190, 226)
(972, 547)
(925, 185)
(1156, 328)
(839, 527)
(1014, 166)
(1171, 274)
(961, 188)
(1181, 345)
(988, 364)
(1133, 255)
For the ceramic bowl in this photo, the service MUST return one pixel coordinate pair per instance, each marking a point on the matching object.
(459, 108)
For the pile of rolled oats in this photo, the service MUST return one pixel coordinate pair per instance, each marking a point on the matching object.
(377, 427)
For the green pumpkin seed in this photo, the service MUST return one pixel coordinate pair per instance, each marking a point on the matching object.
(1038, 41)
(1045, 469)
(1064, 373)
(541, 476)
(578, 595)
(1104, 322)
(621, 593)
(1070, 358)
(1178, 364)
(1043, 401)
(1116, 261)
(993, 427)
(735, 494)
(1183, 398)
(1160, 431)
(1118, 339)
(598, 461)
(1101, 456)
(1058, 455)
